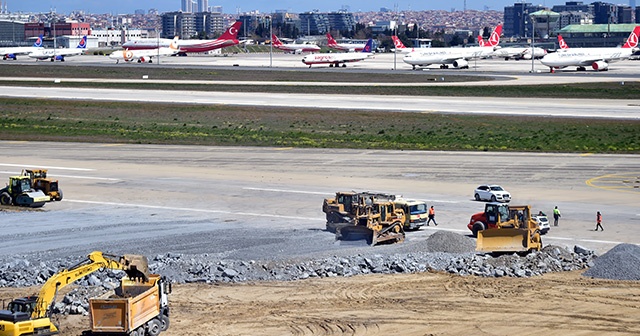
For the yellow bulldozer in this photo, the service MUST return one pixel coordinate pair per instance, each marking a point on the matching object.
(372, 216)
(505, 228)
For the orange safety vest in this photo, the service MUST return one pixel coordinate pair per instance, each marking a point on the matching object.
(599, 218)
(432, 211)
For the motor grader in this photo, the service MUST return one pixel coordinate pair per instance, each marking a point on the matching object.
(505, 228)
(373, 216)
(39, 181)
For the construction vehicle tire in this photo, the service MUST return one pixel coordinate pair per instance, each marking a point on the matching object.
(59, 195)
(477, 226)
(5, 199)
(154, 327)
(164, 325)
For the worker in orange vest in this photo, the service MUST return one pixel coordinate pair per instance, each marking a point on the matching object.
(599, 221)
(432, 216)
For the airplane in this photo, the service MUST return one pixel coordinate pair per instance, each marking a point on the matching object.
(293, 48)
(347, 47)
(227, 39)
(400, 47)
(519, 53)
(597, 58)
(145, 54)
(60, 53)
(335, 59)
(458, 57)
(13, 52)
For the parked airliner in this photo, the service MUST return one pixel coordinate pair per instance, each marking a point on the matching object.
(346, 47)
(227, 39)
(293, 48)
(336, 59)
(597, 58)
(59, 54)
(13, 52)
(458, 57)
(145, 55)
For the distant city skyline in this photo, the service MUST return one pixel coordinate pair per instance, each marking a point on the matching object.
(123, 7)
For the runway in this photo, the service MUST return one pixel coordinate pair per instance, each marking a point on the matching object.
(592, 108)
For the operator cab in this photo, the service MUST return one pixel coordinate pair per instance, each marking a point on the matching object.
(19, 309)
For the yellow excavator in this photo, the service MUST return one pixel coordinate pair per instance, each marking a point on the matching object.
(32, 315)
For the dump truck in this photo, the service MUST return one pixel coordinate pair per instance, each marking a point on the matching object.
(505, 228)
(365, 215)
(32, 315)
(39, 181)
(19, 191)
(137, 309)
(415, 211)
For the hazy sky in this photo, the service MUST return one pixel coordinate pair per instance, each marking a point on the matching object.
(128, 6)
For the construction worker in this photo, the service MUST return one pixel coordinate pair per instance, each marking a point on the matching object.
(556, 216)
(432, 216)
(599, 221)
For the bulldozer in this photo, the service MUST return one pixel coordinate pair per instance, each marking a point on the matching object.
(20, 192)
(505, 228)
(39, 181)
(372, 216)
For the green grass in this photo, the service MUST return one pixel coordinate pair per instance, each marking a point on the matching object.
(52, 120)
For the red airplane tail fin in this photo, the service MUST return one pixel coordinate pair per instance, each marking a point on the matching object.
(632, 41)
(275, 40)
(232, 32)
(562, 43)
(330, 40)
(397, 42)
(494, 39)
(481, 41)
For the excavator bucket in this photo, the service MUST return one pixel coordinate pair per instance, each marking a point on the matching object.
(503, 240)
(137, 266)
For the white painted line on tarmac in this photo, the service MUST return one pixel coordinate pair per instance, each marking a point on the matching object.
(287, 191)
(44, 167)
(68, 176)
(144, 206)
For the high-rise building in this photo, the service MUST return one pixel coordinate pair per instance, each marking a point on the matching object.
(517, 21)
(181, 24)
(210, 23)
(187, 6)
(203, 6)
(605, 13)
(625, 14)
(342, 21)
(313, 23)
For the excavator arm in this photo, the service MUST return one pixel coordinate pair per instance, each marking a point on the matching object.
(136, 267)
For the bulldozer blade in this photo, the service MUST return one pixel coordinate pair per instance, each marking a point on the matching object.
(502, 240)
(353, 233)
(137, 266)
(393, 233)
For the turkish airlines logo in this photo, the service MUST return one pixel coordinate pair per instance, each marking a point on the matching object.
(563, 44)
(494, 39)
(398, 43)
(633, 40)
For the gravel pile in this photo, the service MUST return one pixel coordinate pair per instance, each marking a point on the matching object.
(442, 251)
(620, 263)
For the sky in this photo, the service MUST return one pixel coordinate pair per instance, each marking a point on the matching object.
(229, 6)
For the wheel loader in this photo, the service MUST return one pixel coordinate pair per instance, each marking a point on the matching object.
(505, 228)
(39, 181)
(20, 192)
(372, 216)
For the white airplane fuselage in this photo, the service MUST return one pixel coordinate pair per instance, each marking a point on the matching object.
(597, 58)
(334, 59)
(458, 57)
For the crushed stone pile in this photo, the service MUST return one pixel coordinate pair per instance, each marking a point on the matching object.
(442, 251)
(620, 263)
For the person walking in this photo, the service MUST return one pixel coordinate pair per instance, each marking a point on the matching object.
(556, 216)
(599, 221)
(432, 216)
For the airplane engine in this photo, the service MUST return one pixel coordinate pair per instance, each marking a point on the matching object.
(526, 56)
(600, 66)
(12, 56)
(142, 59)
(59, 58)
(461, 64)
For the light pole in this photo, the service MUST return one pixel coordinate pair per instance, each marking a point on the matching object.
(271, 43)
(533, 36)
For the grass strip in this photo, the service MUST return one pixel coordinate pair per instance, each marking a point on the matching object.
(117, 122)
